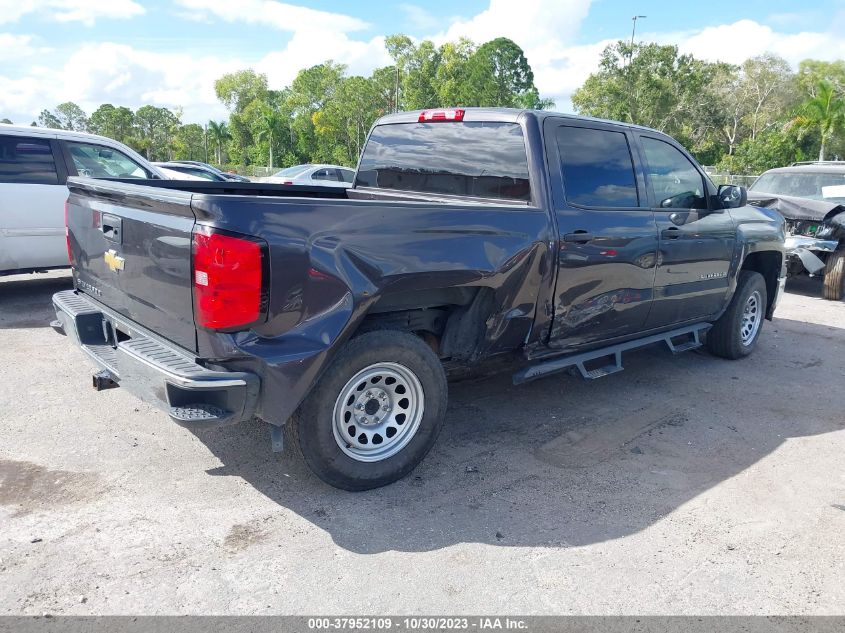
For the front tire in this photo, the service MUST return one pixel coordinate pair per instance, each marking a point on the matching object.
(834, 275)
(735, 333)
(374, 414)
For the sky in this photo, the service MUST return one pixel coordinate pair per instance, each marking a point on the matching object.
(169, 52)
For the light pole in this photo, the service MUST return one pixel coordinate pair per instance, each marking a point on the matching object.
(632, 106)
(634, 30)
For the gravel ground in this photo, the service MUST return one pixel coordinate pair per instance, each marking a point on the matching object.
(684, 485)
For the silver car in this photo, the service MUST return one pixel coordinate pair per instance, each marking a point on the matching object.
(324, 175)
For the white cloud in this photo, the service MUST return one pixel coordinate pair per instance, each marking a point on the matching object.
(421, 19)
(285, 17)
(84, 11)
(547, 30)
(736, 42)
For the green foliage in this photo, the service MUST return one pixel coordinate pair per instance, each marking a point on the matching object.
(7, 121)
(499, 75)
(189, 142)
(237, 90)
(744, 118)
(822, 114)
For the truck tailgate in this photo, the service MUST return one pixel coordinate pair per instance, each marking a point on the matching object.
(131, 250)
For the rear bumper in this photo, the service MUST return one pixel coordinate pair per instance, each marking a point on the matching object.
(156, 371)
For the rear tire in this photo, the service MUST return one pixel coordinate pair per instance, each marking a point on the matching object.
(735, 333)
(834, 275)
(374, 414)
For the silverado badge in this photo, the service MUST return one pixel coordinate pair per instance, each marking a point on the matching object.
(114, 261)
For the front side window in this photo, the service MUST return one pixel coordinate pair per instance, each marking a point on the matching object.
(481, 159)
(27, 161)
(98, 161)
(676, 183)
(346, 175)
(597, 168)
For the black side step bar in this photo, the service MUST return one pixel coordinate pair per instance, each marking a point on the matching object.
(692, 334)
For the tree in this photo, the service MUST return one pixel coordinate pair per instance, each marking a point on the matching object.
(113, 122)
(499, 75)
(823, 113)
(6, 121)
(652, 85)
(219, 133)
(766, 87)
(156, 127)
(452, 75)
(48, 119)
(189, 142)
(72, 117)
(270, 128)
(417, 71)
(237, 90)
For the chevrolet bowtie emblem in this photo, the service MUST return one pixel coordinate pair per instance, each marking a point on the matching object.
(114, 261)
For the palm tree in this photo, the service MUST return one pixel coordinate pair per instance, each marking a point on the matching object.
(823, 113)
(220, 134)
(271, 126)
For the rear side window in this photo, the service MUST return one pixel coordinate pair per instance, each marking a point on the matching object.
(597, 168)
(325, 174)
(27, 161)
(475, 159)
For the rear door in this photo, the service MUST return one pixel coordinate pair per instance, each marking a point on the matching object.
(696, 241)
(608, 238)
(132, 252)
(32, 196)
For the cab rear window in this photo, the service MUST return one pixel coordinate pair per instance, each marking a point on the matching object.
(473, 159)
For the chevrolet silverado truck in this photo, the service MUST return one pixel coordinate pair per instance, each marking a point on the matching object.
(470, 236)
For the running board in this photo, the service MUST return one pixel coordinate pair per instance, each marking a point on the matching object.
(692, 340)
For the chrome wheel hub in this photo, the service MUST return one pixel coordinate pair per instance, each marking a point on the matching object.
(752, 316)
(378, 412)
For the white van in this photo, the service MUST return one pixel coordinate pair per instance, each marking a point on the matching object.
(34, 166)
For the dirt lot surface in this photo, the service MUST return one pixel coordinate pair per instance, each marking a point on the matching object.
(682, 485)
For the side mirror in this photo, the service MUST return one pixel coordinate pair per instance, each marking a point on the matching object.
(732, 196)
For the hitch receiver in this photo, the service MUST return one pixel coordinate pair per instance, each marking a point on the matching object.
(102, 380)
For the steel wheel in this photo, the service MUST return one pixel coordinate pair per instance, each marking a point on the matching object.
(378, 412)
(752, 316)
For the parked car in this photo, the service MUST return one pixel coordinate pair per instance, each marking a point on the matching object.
(203, 170)
(553, 241)
(34, 166)
(811, 197)
(190, 172)
(326, 175)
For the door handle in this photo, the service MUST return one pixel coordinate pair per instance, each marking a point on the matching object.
(578, 237)
(672, 233)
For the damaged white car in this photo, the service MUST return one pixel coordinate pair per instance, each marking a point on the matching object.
(811, 197)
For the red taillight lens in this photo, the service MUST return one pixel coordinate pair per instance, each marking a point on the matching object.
(67, 235)
(228, 279)
(429, 116)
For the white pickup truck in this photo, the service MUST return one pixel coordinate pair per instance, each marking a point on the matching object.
(34, 166)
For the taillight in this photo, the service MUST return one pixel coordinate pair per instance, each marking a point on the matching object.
(228, 279)
(429, 116)
(67, 235)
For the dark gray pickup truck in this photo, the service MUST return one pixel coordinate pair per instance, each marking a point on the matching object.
(470, 236)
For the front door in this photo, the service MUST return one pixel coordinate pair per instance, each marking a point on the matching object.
(607, 236)
(696, 239)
